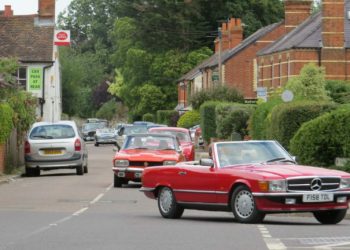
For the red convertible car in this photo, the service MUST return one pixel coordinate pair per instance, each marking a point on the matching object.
(140, 151)
(184, 136)
(251, 179)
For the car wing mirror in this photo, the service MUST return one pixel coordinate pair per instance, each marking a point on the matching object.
(206, 162)
(115, 149)
(121, 131)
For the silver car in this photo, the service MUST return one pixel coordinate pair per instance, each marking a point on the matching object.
(105, 136)
(56, 145)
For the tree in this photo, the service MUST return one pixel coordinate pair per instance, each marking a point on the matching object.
(151, 99)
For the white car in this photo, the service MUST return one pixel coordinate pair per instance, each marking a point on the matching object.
(56, 145)
(105, 136)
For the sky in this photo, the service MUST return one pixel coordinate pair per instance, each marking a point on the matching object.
(24, 7)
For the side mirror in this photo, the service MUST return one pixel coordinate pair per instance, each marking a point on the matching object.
(121, 131)
(115, 149)
(206, 162)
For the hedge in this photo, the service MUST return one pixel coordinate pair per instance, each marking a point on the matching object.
(6, 122)
(148, 117)
(189, 119)
(208, 120)
(287, 118)
(167, 117)
(320, 141)
(232, 117)
(338, 90)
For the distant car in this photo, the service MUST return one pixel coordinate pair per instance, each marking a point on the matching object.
(89, 130)
(250, 179)
(56, 145)
(196, 135)
(141, 151)
(184, 136)
(128, 129)
(105, 136)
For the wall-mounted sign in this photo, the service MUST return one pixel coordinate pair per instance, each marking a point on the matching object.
(35, 78)
(62, 37)
(261, 93)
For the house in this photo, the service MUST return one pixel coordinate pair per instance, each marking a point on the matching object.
(30, 38)
(323, 39)
(238, 59)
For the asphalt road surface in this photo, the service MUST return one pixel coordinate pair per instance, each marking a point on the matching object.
(63, 211)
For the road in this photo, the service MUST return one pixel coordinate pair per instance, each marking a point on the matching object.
(60, 210)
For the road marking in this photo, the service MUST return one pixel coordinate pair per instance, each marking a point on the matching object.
(98, 197)
(80, 211)
(271, 243)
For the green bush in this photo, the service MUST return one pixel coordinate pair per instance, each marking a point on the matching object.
(261, 119)
(208, 120)
(232, 117)
(338, 90)
(148, 117)
(320, 141)
(167, 117)
(287, 118)
(220, 93)
(107, 110)
(189, 119)
(6, 121)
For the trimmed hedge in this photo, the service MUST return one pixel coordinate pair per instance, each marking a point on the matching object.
(167, 117)
(189, 119)
(287, 118)
(232, 117)
(6, 122)
(148, 117)
(208, 120)
(338, 90)
(320, 141)
(261, 119)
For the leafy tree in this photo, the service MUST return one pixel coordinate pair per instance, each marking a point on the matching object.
(108, 110)
(151, 99)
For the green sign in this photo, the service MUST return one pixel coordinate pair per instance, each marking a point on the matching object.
(35, 78)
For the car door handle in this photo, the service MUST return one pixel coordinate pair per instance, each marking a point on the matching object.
(182, 173)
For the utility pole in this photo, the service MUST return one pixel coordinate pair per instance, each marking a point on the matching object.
(219, 57)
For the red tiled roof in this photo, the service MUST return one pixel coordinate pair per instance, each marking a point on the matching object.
(20, 38)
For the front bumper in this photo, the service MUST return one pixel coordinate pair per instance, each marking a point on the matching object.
(128, 173)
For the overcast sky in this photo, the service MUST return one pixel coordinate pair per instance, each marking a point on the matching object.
(23, 7)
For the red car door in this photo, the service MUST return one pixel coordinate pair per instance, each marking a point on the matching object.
(198, 184)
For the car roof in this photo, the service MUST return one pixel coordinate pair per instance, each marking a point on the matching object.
(66, 122)
(169, 129)
(152, 134)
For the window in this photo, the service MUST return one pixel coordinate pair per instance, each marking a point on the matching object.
(21, 77)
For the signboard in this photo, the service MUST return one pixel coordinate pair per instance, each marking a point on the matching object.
(261, 93)
(35, 78)
(62, 37)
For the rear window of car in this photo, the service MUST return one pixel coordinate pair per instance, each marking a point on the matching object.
(57, 131)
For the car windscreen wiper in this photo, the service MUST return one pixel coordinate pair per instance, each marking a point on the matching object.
(43, 136)
(281, 159)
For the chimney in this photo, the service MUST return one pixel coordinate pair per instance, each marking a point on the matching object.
(333, 23)
(232, 34)
(8, 12)
(295, 12)
(46, 9)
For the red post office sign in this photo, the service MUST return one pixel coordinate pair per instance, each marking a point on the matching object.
(62, 37)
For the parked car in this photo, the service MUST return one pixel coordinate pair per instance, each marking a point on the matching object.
(141, 151)
(105, 136)
(128, 129)
(89, 130)
(196, 135)
(56, 145)
(184, 136)
(251, 179)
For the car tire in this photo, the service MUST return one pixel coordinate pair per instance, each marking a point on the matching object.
(330, 216)
(243, 206)
(96, 144)
(118, 182)
(167, 204)
(32, 171)
(80, 170)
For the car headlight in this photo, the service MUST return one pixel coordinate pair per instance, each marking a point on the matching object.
(121, 163)
(169, 163)
(345, 183)
(277, 186)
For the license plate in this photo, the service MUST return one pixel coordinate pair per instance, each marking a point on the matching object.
(52, 151)
(121, 174)
(318, 197)
(138, 175)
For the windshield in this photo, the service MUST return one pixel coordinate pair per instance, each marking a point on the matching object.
(136, 129)
(233, 153)
(106, 130)
(150, 142)
(183, 136)
(60, 131)
(93, 126)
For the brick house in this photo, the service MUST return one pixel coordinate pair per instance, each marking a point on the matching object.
(239, 59)
(323, 39)
(30, 38)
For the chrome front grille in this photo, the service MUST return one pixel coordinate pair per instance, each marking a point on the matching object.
(313, 184)
(145, 163)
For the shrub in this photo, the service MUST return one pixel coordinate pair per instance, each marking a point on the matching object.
(338, 90)
(107, 110)
(208, 120)
(220, 93)
(189, 119)
(320, 141)
(287, 118)
(6, 122)
(148, 117)
(261, 118)
(232, 117)
(167, 117)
